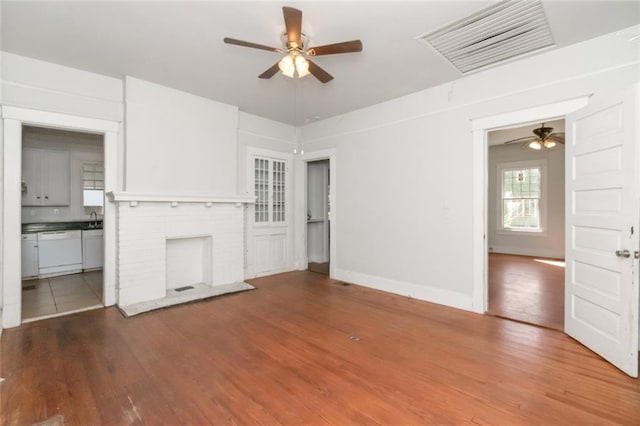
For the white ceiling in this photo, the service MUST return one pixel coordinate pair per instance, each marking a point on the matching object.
(179, 45)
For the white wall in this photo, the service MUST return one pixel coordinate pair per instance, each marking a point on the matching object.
(178, 143)
(404, 167)
(31, 83)
(258, 132)
(549, 243)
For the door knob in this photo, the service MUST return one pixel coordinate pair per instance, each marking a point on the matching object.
(623, 253)
(636, 254)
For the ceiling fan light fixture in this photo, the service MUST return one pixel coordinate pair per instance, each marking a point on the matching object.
(535, 145)
(286, 66)
(549, 144)
(302, 66)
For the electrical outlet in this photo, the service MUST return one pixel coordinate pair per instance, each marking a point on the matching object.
(56, 212)
(32, 213)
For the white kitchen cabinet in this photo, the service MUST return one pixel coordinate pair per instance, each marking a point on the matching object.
(92, 249)
(29, 255)
(46, 177)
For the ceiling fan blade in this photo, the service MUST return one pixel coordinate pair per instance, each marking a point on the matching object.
(270, 72)
(319, 73)
(249, 44)
(293, 22)
(332, 49)
(556, 138)
(525, 139)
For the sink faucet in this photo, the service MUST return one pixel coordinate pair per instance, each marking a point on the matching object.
(93, 215)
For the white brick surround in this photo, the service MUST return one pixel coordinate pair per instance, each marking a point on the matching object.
(144, 226)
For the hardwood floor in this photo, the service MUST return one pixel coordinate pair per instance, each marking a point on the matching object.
(321, 268)
(527, 289)
(304, 349)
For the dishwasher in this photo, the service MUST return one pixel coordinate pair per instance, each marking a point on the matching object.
(59, 252)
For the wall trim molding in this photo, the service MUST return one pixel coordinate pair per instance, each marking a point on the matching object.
(117, 196)
(411, 290)
(57, 120)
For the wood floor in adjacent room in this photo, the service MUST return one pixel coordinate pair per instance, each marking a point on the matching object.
(527, 289)
(304, 349)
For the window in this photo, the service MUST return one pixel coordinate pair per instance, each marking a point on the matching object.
(270, 189)
(521, 200)
(93, 184)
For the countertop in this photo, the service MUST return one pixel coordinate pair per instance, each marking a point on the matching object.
(30, 228)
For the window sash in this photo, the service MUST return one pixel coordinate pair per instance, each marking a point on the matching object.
(521, 193)
(270, 190)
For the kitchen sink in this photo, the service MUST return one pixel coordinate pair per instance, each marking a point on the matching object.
(58, 226)
(88, 226)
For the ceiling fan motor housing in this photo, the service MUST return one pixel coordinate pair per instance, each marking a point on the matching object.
(543, 132)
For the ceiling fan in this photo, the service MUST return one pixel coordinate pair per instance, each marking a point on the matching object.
(294, 43)
(544, 138)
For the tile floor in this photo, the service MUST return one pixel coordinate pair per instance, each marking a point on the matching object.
(58, 295)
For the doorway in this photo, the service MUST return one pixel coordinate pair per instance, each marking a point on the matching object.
(318, 216)
(62, 213)
(602, 137)
(525, 224)
(14, 118)
(321, 162)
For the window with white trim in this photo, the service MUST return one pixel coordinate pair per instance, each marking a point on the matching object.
(269, 177)
(521, 201)
(93, 184)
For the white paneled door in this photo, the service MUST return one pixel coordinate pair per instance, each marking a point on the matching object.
(603, 221)
(269, 231)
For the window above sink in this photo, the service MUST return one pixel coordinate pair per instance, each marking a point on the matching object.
(93, 184)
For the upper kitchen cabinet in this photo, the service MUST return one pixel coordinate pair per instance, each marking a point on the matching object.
(45, 177)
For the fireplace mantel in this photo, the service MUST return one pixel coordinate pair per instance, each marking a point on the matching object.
(134, 198)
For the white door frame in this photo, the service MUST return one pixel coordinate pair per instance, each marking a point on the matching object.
(480, 127)
(325, 154)
(13, 120)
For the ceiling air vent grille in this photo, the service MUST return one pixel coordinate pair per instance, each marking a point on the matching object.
(500, 32)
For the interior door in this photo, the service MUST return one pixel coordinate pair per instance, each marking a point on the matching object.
(602, 221)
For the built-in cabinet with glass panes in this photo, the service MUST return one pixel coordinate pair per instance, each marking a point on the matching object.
(270, 190)
(270, 225)
(93, 184)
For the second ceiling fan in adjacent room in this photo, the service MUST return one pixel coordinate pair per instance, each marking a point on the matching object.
(544, 138)
(296, 59)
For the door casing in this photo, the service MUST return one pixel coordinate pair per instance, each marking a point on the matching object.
(480, 127)
(307, 157)
(13, 120)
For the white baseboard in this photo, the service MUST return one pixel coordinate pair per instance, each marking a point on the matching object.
(525, 251)
(421, 292)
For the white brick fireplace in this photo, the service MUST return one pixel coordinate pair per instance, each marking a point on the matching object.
(164, 242)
